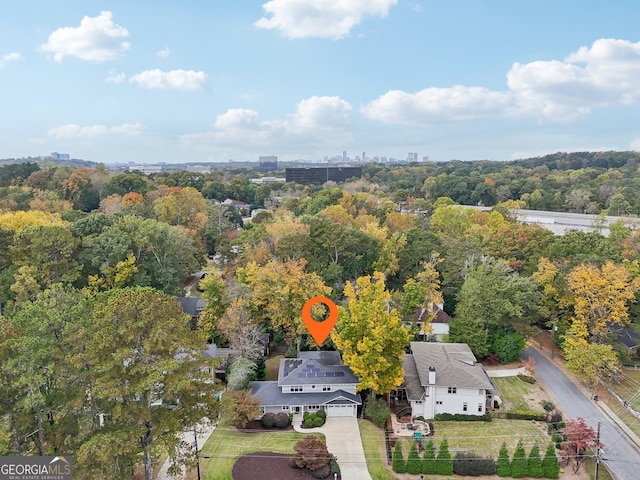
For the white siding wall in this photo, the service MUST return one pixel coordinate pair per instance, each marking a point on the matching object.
(451, 402)
(319, 388)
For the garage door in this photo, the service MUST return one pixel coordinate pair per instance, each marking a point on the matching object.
(341, 411)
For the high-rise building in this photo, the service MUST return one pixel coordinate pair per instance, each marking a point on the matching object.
(268, 163)
(319, 175)
(412, 157)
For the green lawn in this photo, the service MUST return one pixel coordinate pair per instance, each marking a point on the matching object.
(226, 445)
(485, 438)
(271, 367)
(513, 393)
(628, 387)
(374, 451)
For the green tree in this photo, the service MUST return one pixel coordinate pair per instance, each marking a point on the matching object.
(52, 249)
(519, 461)
(413, 460)
(503, 465)
(444, 464)
(45, 387)
(493, 298)
(164, 255)
(429, 464)
(371, 335)
(398, 463)
(550, 467)
(124, 183)
(137, 353)
(534, 462)
(377, 410)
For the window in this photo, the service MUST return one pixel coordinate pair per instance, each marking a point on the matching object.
(439, 402)
(419, 402)
(480, 409)
(285, 407)
(295, 388)
(465, 406)
(452, 390)
(326, 388)
(481, 391)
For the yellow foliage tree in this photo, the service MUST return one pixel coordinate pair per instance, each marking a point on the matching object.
(186, 207)
(600, 296)
(19, 221)
(592, 362)
(279, 291)
(371, 336)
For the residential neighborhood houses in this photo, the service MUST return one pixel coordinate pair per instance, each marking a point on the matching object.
(161, 307)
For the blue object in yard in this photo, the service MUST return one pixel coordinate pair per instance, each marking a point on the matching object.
(417, 435)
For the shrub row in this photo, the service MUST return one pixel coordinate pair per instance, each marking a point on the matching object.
(526, 378)
(459, 417)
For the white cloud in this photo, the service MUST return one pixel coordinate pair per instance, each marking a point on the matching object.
(72, 131)
(604, 74)
(438, 104)
(318, 122)
(97, 39)
(320, 18)
(115, 77)
(175, 79)
(9, 57)
(164, 53)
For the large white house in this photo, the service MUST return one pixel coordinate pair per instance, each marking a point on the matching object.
(445, 378)
(313, 381)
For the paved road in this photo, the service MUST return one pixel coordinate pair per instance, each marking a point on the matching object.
(621, 456)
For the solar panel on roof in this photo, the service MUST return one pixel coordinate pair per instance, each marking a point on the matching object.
(339, 374)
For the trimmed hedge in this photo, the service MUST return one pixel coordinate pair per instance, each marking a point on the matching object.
(470, 464)
(459, 417)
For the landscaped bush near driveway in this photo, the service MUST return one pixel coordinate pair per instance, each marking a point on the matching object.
(314, 419)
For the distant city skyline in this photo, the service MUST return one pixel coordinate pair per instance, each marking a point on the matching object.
(147, 82)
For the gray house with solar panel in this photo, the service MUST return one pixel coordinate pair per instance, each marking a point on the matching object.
(313, 381)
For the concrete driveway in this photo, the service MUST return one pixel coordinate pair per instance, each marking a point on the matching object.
(343, 440)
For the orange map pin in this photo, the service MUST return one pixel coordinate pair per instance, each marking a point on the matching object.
(319, 330)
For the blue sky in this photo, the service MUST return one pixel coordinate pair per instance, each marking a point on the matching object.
(148, 81)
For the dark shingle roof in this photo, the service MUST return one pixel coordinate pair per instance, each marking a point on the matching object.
(320, 368)
(455, 365)
(411, 383)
